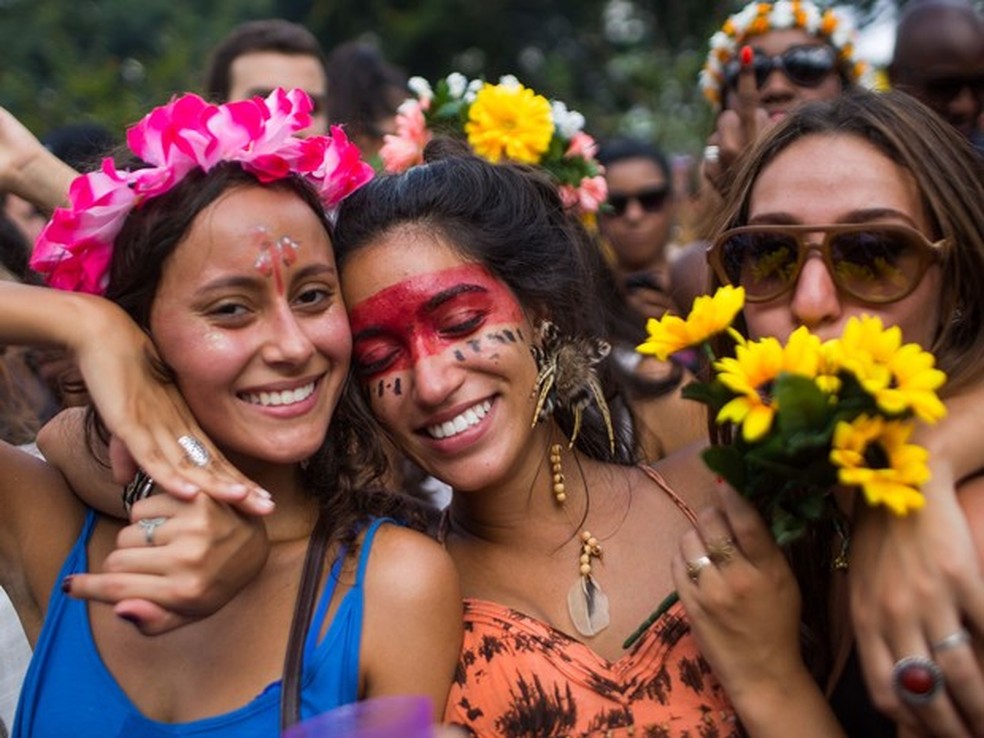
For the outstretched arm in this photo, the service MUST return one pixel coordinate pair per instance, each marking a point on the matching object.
(28, 169)
(917, 579)
(744, 609)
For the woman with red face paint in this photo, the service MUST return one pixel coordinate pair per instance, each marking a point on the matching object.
(215, 260)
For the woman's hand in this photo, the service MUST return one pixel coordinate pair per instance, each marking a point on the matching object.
(743, 605)
(735, 130)
(915, 580)
(180, 561)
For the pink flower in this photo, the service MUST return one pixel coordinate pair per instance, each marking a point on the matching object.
(405, 149)
(582, 145)
(592, 192)
(75, 248)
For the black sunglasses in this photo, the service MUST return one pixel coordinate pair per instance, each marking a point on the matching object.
(873, 262)
(651, 200)
(806, 66)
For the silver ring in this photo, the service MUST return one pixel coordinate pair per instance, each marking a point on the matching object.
(712, 153)
(694, 567)
(194, 450)
(954, 640)
(917, 679)
(149, 525)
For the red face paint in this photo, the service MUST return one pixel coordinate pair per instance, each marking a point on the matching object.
(274, 255)
(429, 314)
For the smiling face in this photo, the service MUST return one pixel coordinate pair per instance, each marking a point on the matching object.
(249, 317)
(832, 179)
(443, 350)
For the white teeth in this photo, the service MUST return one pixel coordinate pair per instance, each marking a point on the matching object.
(460, 423)
(285, 397)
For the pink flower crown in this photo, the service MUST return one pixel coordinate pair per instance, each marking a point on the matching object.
(74, 250)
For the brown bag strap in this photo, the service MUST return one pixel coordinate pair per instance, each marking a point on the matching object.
(311, 574)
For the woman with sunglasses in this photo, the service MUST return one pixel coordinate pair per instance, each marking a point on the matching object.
(767, 59)
(866, 204)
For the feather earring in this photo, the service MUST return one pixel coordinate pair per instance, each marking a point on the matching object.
(567, 376)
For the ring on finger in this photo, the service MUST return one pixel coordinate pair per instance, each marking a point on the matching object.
(721, 550)
(195, 451)
(149, 525)
(696, 566)
(954, 640)
(917, 679)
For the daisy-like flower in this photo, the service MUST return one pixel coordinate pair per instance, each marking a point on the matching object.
(710, 315)
(872, 453)
(751, 373)
(509, 121)
(900, 377)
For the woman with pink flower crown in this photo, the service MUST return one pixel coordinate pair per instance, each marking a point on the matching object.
(212, 252)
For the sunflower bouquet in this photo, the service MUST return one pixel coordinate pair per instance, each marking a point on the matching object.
(500, 122)
(809, 415)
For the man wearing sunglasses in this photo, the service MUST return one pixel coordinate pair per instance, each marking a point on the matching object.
(636, 219)
(767, 60)
(939, 59)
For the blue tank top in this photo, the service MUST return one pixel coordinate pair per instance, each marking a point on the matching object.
(69, 692)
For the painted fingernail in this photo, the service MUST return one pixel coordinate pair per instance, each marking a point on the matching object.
(263, 493)
(264, 504)
(66, 584)
(746, 55)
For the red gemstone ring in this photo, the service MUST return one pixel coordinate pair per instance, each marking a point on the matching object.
(916, 679)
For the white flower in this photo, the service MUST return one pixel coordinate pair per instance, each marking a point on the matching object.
(567, 122)
(721, 40)
(782, 14)
(420, 87)
(744, 17)
(509, 80)
(457, 84)
(813, 17)
(473, 87)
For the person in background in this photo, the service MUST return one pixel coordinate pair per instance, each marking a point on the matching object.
(939, 59)
(260, 55)
(635, 225)
(366, 90)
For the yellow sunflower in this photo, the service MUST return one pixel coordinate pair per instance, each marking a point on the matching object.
(509, 121)
(710, 315)
(872, 454)
(750, 374)
(900, 377)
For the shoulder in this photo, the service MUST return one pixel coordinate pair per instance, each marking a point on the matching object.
(409, 566)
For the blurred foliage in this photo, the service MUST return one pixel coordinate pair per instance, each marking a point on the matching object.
(628, 65)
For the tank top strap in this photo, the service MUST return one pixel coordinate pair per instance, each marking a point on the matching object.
(677, 500)
(329, 590)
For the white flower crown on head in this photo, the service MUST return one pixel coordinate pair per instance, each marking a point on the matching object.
(757, 18)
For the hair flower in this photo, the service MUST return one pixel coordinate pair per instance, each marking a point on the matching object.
(74, 249)
(500, 122)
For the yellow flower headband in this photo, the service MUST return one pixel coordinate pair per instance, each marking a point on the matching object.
(756, 18)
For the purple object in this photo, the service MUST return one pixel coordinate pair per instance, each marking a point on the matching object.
(380, 717)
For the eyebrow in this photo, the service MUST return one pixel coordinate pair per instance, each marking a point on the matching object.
(242, 281)
(868, 215)
(449, 294)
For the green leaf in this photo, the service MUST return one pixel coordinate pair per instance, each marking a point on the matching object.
(727, 462)
(802, 405)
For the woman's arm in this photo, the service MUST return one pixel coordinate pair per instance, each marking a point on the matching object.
(28, 169)
(413, 618)
(744, 610)
(916, 579)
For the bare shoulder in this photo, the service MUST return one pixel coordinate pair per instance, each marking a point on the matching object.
(687, 475)
(408, 566)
